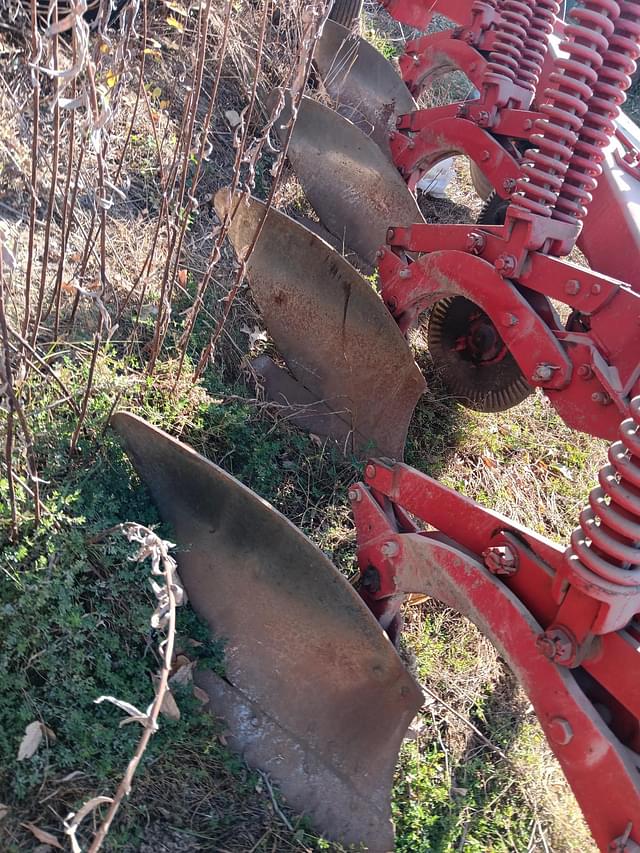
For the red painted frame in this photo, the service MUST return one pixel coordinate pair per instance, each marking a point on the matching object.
(526, 605)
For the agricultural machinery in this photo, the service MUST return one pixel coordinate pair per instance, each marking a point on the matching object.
(315, 692)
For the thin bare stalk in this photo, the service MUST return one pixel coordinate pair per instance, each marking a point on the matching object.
(55, 156)
(87, 394)
(34, 165)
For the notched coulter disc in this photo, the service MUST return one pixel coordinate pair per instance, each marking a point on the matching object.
(314, 693)
(354, 376)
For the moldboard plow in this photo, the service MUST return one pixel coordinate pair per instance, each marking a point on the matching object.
(315, 692)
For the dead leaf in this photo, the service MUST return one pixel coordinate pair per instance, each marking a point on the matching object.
(169, 708)
(4, 810)
(200, 694)
(489, 461)
(42, 835)
(183, 277)
(184, 671)
(233, 118)
(175, 23)
(31, 741)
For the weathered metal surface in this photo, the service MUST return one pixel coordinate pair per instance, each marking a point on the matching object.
(314, 692)
(335, 334)
(350, 183)
(365, 86)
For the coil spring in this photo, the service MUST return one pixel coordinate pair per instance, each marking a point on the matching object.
(619, 63)
(536, 41)
(511, 32)
(608, 539)
(566, 102)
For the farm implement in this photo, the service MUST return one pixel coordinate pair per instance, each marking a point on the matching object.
(315, 693)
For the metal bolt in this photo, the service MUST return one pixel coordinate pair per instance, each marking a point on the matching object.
(404, 273)
(572, 286)
(501, 560)
(416, 59)
(560, 731)
(601, 397)
(380, 254)
(509, 184)
(544, 372)
(484, 156)
(391, 233)
(370, 471)
(483, 121)
(399, 121)
(595, 289)
(354, 495)
(557, 645)
(509, 320)
(476, 242)
(505, 264)
(585, 372)
(390, 549)
(528, 124)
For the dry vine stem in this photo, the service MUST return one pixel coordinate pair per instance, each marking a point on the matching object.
(170, 595)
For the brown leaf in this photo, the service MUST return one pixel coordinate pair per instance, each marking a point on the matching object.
(183, 672)
(42, 835)
(31, 741)
(183, 276)
(489, 462)
(169, 708)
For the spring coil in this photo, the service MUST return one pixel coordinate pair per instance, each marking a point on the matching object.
(619, 64)
(566, 102)
(608, 539)
(536, 42)
(511, 32)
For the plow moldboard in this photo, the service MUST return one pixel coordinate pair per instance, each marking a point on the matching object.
(314, 694)
(365, 86)
(335, 334)
(350, 183)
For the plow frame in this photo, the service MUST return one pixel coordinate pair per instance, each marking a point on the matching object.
(573, 649)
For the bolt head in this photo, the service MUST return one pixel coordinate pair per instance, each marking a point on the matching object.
(391, 233)
(485, 156)
(505, 264)
(380, 254)
(354, 495)
(585, 372)
(595, 289)
(509, 320)
(544, 372)
(370, 471)
(601, 397)
(404, 273)
(572, 287)
(560, 731)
